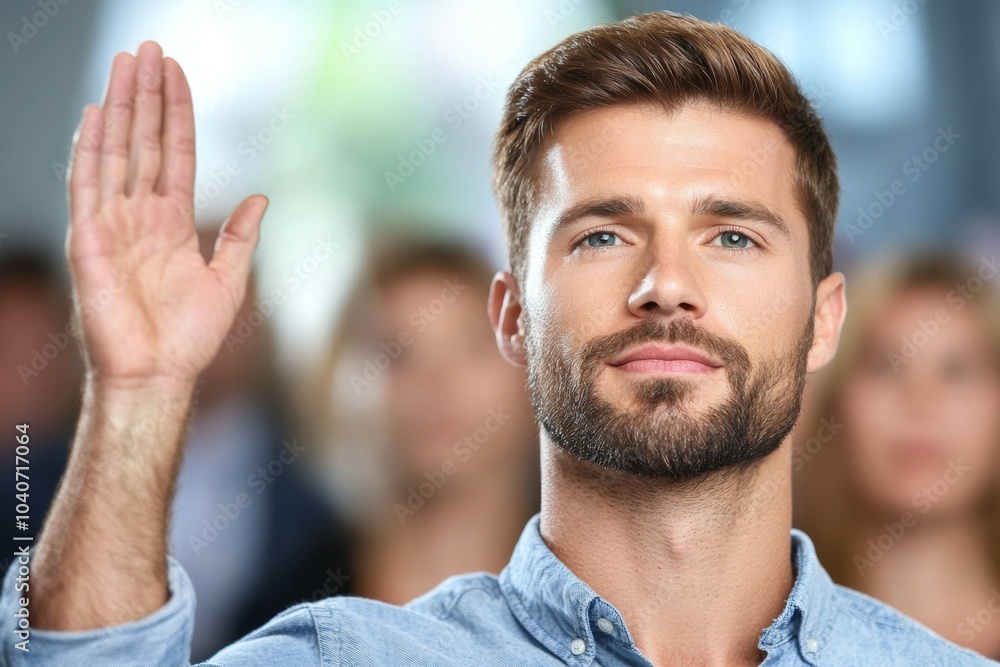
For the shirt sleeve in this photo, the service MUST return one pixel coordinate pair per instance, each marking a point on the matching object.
(162, 639)
(290, 639)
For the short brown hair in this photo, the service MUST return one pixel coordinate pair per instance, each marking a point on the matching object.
(666, 59)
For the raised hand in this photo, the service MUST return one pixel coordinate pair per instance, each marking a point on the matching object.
(153, 316)
(151, 309)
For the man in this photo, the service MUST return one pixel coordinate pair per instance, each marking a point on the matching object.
(669, 200)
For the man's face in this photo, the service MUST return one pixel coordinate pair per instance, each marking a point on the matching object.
(667, 299)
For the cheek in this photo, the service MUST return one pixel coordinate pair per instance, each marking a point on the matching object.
(974, 423)
(867, 409)
(972, 429)
(485, 384)
(590, 318)
(570, 313)
(768, 320)
(401, 390)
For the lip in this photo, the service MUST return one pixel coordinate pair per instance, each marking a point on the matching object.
(659, 358)
(918, 453)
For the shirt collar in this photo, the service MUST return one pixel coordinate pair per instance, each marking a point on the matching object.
(808, 613)
(554, 605)
(564, 614)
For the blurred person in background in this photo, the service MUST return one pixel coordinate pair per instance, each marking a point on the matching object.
(430, 445)
(238, 484)
(40, 373)
(898, 455)
(665, 380)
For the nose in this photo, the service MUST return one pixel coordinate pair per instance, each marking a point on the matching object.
(920, 394)
(667, 281)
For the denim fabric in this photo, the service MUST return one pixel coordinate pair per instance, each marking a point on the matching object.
(536, 613)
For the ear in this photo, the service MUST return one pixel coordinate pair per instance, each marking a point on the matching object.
(506, 317)
(831, 309)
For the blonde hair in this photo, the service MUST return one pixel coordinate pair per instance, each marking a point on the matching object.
(337, 413)
(824, 505)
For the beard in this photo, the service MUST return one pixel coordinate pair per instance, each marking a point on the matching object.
(661, 436)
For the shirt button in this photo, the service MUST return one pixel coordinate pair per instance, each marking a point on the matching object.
(577, 646)
(604, 625)
(812, 645)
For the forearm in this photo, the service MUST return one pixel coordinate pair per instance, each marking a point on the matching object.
(101, 557)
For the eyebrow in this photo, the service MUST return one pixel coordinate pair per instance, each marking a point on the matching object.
(740, 209)
(601, 208)
(734, 209)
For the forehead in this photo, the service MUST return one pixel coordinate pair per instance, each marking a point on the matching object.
(668, 158)
(440, 293)
(928, 308)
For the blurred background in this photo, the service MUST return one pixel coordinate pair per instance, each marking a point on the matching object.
(330, 109)
(368, 125)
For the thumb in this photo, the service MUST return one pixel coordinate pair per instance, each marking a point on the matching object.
(238, 239)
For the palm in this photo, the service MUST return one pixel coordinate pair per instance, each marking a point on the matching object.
(149, 305)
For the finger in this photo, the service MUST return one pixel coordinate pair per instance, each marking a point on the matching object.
(144, 151)
(177, 171)
(85, 166)
(117, 122)
(237, 241)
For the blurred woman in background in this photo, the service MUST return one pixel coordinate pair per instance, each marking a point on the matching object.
(425, 436)
(898, 452)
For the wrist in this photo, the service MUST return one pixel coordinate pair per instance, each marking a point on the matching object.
(148, 405)
(162, 387)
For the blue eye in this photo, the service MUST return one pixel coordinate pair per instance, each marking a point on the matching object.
(601, 240)
(735, 240)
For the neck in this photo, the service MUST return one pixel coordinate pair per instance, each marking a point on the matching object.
(698, 569)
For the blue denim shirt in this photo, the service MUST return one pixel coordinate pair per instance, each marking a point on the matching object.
(535, 613)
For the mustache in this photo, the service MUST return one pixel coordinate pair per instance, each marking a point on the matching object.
(655, 330)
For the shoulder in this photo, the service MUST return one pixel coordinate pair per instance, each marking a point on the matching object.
(463, 617)
(863, 621)
(449, 602)
(291, 637)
